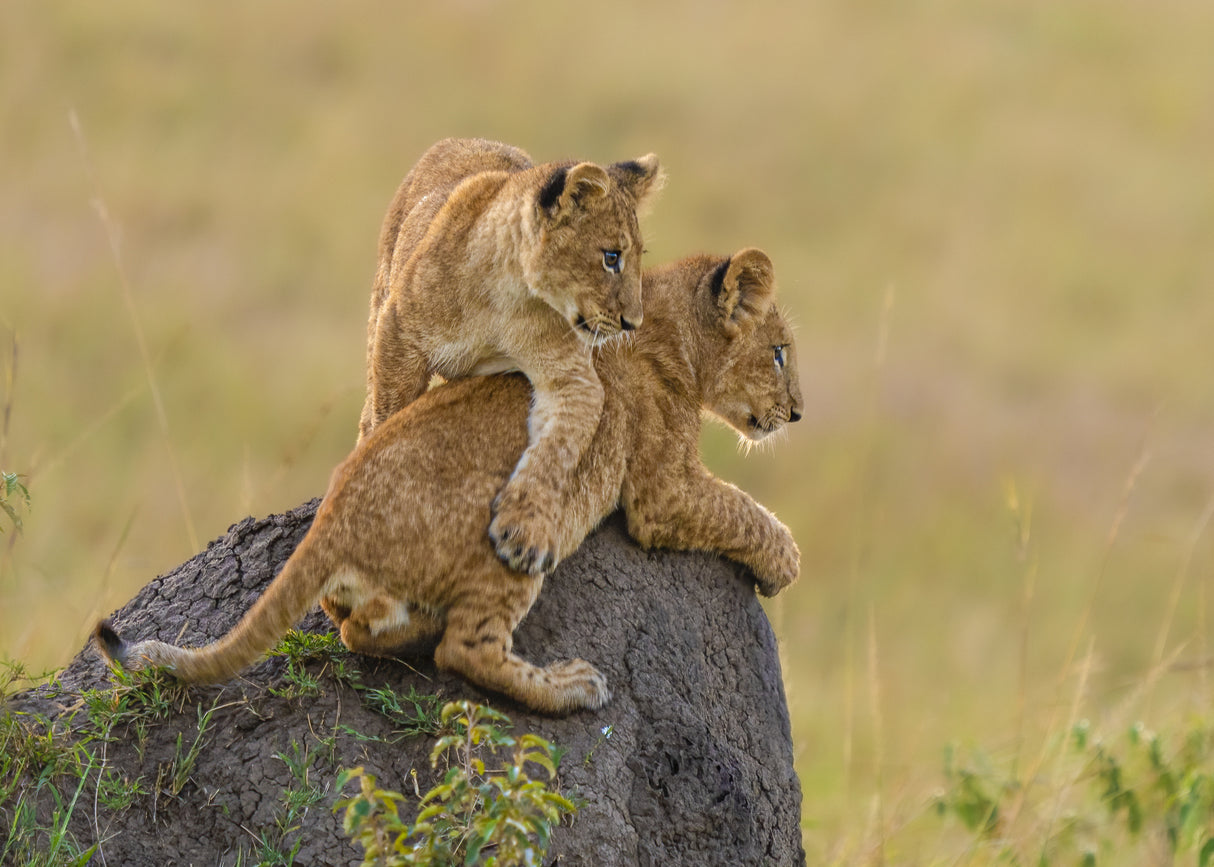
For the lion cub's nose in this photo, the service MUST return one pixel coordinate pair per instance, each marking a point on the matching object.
(627, 324)
(794, 415)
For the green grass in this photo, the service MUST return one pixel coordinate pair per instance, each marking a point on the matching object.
(51, 768)
(1027, 183)
(476, 813)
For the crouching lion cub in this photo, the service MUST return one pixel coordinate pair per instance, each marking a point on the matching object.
(398, 555)
(489, 263)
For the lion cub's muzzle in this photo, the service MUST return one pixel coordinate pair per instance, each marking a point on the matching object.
(772, 421)
(601, 327)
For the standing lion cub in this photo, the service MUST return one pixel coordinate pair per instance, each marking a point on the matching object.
(489, 263)
(398, 554)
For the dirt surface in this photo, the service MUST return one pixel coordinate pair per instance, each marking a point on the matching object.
(697, 769)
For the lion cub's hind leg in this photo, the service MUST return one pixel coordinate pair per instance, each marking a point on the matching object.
(478, 644)
(388, 627)
(374, 622)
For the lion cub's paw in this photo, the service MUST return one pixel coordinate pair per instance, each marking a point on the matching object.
(524, 540)
(576, 684)
(782, 567)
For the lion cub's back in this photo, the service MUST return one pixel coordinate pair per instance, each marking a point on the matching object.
(426, 189)
(416, 493)
(446, 163)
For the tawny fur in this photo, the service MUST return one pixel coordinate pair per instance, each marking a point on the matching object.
(398, 555)
(489, 263)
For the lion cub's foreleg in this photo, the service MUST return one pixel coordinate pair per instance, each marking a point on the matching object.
(703, 513)
(478, 644)
(527, 513)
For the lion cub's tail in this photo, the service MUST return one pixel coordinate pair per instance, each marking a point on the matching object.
(288, 598)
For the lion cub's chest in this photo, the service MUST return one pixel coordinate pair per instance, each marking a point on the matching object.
(475, 343)
(468, 355)
(478, 360)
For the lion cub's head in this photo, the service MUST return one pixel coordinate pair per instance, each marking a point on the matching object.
(755, 388)
(587, 265)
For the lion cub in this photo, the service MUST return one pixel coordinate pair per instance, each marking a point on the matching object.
(398, 555)
(489, 263)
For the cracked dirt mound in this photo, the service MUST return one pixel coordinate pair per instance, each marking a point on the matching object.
(697, 769)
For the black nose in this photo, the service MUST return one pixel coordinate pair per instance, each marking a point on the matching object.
(626, 325)
(794, 415)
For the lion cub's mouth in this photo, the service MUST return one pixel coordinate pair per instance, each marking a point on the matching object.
(758, 430)
(596, 331)
(771, 422)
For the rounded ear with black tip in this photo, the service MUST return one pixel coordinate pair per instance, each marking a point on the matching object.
(572, 187)
(745, 289)
(640, 178)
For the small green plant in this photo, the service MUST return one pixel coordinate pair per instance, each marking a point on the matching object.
(414, 714)
(300, 648)
(118, 791)
(1135, 795)
(296, 800)
(1149, 788)
(133, 701)
(133, 694)
(605, 734)
(32, 844)
(32, 757)
(975, 792)
(472, 816)
(14, 499)
(32, 748)
(37, 755)
(13, 673)
(183, 761)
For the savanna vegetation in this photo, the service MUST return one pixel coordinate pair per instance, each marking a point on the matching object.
(495, 799)
(992, 221)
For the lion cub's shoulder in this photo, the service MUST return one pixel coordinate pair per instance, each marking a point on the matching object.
(445, 165)
(453, 158)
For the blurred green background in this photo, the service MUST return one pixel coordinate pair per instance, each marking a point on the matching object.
(992, 222)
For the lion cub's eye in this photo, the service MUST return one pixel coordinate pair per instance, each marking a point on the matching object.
(781, 358)
(612, 260)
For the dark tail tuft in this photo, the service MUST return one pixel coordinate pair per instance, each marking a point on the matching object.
(109, 642)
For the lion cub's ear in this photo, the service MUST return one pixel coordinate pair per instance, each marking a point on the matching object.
(642, 178)
(744, 288)
(571, 187)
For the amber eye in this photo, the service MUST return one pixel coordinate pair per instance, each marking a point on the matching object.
(612, 260)
(780, 356)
